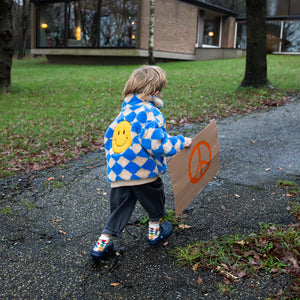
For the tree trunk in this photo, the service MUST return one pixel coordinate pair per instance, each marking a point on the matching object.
(24, 28)
(6, 44)
(151, 60)
(256, 58)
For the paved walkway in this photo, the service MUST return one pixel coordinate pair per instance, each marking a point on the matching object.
(50, 220)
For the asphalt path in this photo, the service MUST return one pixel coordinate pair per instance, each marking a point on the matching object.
(50, 220)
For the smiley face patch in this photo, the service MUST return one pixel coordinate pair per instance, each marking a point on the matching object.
(122, 137)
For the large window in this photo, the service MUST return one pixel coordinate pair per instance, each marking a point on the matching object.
(273, 36)
(241, 36)
(52, 27)
(118, 23)
(291, 36)
(282, 36)
(82, 23)
(211, 36)
(87, 23)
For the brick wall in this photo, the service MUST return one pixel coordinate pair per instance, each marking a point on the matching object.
(175, 26)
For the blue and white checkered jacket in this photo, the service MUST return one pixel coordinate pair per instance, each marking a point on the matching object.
(136, 143)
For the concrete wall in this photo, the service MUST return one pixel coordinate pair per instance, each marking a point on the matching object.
(175, 26)
(218, 53)
(106, 56)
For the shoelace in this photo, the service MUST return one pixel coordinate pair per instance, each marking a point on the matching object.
(153, 233)
(101, 245)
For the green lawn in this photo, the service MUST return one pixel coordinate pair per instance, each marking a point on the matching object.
(57, 112)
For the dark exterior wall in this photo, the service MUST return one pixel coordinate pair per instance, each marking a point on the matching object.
(175, 26)
(228, 28)
(295, 7)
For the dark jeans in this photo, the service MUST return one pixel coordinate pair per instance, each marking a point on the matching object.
(123, 200)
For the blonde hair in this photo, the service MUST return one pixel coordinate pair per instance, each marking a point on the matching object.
(145, 81)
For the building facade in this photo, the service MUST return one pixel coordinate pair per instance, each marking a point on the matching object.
(117, 31)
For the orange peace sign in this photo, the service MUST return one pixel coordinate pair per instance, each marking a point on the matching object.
(196, 159)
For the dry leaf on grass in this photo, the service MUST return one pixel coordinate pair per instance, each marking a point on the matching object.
(195, 266)
(184, 226)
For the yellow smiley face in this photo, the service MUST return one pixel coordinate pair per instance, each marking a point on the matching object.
(122, 137)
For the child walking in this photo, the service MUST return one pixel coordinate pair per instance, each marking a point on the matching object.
(136, 144)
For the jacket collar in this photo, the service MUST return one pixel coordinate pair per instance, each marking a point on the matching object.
(157, 102)
(134, 99)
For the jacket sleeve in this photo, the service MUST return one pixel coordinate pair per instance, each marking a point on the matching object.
(155, 140)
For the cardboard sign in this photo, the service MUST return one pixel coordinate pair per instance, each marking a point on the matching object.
(193, 168)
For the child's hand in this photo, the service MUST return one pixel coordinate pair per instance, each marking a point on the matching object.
(188, 142)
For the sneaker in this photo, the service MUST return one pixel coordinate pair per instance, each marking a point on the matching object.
(95, 253)
(166, 229)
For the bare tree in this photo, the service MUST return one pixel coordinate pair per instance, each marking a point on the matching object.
(151, 59)
(6, 44)
(256, 60)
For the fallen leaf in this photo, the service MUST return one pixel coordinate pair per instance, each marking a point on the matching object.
(227, 274)
(62, 232)
(56, 221)
(253, 142)
(268, 169)
(169, 278)
(280, 292)
(223, 207)
(294, 262)
(195, 266)
(274, 271)
(288, 195)
(115, 284)
(184, 226)
(280, 169)
(236, 195)
(165, 244)
(240, 242)
(242, 274)
(50, 178)
(226, 281)
(199, 280)
(225, 266)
